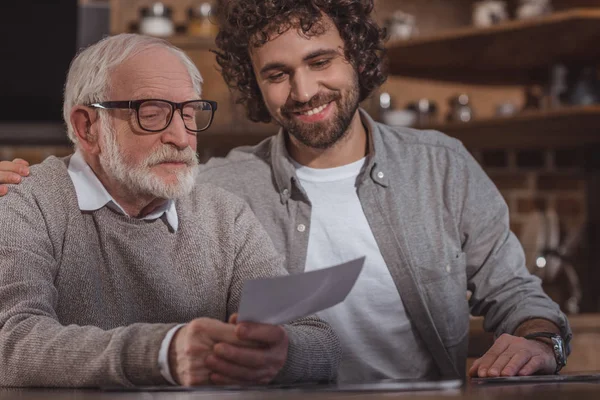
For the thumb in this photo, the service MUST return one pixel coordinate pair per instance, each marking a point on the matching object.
(20, 161)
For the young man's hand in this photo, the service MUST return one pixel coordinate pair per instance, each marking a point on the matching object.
(512, 356)
(11, 172)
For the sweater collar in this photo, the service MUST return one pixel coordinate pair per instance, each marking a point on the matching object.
(92, 195)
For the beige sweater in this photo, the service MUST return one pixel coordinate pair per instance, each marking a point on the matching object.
(87, 297)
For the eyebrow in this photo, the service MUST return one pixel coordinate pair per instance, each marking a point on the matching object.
(309, 56)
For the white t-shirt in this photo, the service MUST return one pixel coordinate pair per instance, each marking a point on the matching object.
(372, 324)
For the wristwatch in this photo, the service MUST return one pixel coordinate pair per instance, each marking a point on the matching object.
(558, 346)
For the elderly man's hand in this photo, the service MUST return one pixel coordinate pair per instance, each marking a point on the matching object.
(514, 355)
(11, 172)
(192, 344)
(240, 364)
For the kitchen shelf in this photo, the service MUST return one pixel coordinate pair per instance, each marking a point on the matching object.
(187, 42)
(563, 127)
(54, 134)
(33, 134)
(557, 128)
(512, 53)
(230, 140)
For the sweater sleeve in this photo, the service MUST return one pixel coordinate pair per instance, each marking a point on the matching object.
(504, 291)
(314, 349)
(35, 349)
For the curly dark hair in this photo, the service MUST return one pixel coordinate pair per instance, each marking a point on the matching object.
(245, 23)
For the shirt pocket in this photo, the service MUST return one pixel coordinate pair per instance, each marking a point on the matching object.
(445, 291)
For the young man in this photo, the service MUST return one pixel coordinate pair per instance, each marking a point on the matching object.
(334, 185)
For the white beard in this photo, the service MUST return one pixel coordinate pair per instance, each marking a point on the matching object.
(139, 179)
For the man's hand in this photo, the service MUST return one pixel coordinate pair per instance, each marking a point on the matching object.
(235, 364)
(191, 345)
(514, 355)
(11, 172)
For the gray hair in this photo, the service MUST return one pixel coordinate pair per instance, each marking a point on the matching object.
(88, 80)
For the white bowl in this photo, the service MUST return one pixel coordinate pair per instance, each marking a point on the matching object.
(399, 118)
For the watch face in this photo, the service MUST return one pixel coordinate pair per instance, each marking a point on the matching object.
(558, 347)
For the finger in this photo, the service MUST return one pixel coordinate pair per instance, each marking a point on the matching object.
(237, 372)
(9, 177)
(486, 361)
(533, 365)
(217, 331)
(233, 319)
(518, 360)
(197, 363)
(3, 190)
(21, 161)
(501, 362)
(247, 357)
(264, 333)
(474, 367)
(8, 166)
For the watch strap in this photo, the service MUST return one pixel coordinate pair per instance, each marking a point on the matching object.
(559, 354)
(534, 335)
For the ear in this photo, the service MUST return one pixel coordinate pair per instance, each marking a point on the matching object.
(84, 121)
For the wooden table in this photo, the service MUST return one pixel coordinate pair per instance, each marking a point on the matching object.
(546, 391)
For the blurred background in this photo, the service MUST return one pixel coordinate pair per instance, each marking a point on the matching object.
(516, 81)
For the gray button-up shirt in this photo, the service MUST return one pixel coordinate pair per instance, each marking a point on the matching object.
(440, 223)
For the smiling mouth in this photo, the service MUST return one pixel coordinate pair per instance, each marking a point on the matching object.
(313, 111)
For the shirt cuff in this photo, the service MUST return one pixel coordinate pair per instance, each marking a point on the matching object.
(163, 355)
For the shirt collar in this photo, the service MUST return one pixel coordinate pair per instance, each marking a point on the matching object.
(285, 171)
(92, 195)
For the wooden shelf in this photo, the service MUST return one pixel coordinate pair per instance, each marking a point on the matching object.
(230, 140)
(33, 134)
(511, 53)
(564, 127)
(559, 128)
(54, 134)
(187, 42)
(219, 140)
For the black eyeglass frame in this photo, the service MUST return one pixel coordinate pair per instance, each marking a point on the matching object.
(135, 105)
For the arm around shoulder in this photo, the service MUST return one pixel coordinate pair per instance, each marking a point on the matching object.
(11, 172)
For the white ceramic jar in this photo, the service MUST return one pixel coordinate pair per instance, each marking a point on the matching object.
(156, 21)
(489, 12)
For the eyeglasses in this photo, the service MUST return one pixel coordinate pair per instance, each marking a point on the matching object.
(155, 115)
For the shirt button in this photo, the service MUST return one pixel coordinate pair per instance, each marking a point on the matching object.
(301, 228)
(448, 268)
(285, 192)
(380, 175)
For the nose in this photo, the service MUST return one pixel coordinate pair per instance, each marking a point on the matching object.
(176, 134)
(303, 87)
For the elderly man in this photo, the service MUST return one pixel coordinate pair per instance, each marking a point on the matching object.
(334, 184)
(117, 269)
